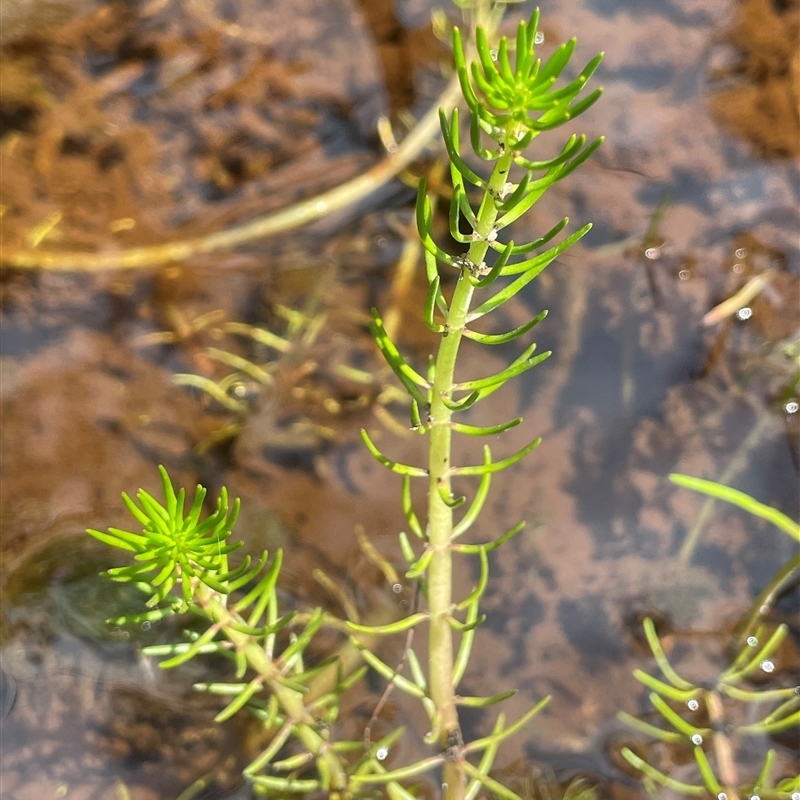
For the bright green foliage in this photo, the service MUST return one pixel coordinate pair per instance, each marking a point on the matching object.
(178, 547)
(512, 97)
(740, 499)
(681, 704)
(272, 680)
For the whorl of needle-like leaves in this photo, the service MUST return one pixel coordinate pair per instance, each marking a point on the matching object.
(177, 546)
(501, 95)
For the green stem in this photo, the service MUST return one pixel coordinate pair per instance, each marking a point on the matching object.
(292, 702)
(440, 515)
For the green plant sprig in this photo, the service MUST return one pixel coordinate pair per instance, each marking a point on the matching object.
(190, 559)
(178, 547)
(671, 698)
(511, 99)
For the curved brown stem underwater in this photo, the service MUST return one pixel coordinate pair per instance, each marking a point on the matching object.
(261, 227)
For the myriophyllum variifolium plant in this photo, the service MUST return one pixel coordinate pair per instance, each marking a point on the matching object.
(697, 718)
(512, 96)
(511, 99)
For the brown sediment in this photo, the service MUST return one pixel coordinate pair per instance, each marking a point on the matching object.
(763, 102)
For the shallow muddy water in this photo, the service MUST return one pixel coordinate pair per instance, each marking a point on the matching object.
(131, 124)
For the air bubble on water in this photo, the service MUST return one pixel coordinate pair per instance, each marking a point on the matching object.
(741, 253)
(381, 241)
(146, 626)
(397, 588)
(652, 253)
(538, 38)
(240, 390)
(693, 705)
(738, 268)
(684, 275)
(754, 797)
(768, 666)
(697, 739)
(381, 753)
(752, 641)
(744, 313)
(792, 407)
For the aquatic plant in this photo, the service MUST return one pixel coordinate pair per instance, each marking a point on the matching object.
(182, 563)
(697, 718)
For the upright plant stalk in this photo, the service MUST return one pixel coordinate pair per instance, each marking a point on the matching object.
(511, 100)
(440, 513)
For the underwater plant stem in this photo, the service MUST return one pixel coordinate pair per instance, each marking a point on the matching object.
(777, 585)
(440, 514)
(735, 467)
(291, 701)
(286, 219)
(723, 748)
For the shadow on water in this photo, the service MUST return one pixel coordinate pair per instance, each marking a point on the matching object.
(127, 124)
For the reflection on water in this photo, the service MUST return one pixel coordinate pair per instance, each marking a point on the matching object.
(175, 124)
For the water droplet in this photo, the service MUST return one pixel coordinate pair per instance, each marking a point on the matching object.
(240, 390)
(752, 641)
(795, 795)
(744, 313)
(697, 739)
(652, 253)
(792, 407)
(538, 38)
(722, 796)
(381, 753)
(754, 797)
(684, 275)
(493, 54)
(397, 588)
(768, 666)
(146, 626)
(693, 705)
(321, 206)
(381, 241)
(741, 253)
(738, 268)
